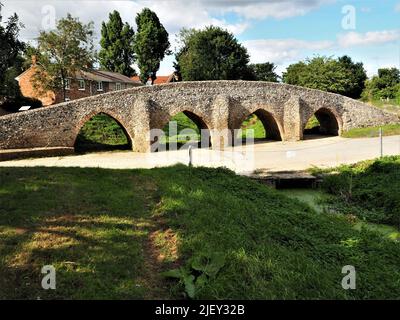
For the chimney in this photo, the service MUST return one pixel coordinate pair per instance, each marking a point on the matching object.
(34, 60)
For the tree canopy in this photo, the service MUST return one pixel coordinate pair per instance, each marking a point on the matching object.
(386, 85)
(341, 75)
(263, 72)
(211, 54)
(151, 44)
(10, 50)
(63, 52)
(117, 46)
(357, 75)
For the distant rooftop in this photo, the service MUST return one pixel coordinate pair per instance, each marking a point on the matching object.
(159, 80)
(106, 76)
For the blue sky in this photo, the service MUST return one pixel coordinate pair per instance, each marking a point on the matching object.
(282, 31)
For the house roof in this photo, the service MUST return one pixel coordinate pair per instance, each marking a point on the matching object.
(105, 76)
(159, 80)
(99, 75)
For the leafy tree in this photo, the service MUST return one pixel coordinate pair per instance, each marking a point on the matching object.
(295, 74)
(340, 76)
(357, 75)
(264, 72)
(63, 52)
(211, 54)
(151, 44)
(117, 42)
(10, 49)
(10, 85)
(389, 77)
(386, 85)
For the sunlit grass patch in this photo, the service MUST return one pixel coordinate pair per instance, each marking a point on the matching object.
(387, 130)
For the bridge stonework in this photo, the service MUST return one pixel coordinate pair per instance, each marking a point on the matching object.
(220, 106)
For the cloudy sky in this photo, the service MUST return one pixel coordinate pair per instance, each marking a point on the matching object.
(278, 31)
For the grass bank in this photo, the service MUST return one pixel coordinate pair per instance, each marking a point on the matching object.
(113, 233)
(387, 130)
(368, 190)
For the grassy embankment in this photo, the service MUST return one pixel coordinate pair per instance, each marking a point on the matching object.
(392, 106)
(112, 233)
(369, 190)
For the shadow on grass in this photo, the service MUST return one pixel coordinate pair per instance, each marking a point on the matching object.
(84, 145)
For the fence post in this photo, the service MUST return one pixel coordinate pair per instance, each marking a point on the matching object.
(190, 156)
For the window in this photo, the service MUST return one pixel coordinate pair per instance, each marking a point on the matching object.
(118, 86)
(99, 86)
(81, 85)
(67, 84)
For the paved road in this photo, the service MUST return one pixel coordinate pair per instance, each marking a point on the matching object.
(271, 156)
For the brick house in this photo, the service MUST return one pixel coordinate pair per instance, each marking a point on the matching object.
(84, 84)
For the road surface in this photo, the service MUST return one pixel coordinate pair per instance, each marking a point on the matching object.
(270, 156)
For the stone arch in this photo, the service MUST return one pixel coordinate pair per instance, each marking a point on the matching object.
(87, 117)
(271, 125)
(200, 122)
(330, 121)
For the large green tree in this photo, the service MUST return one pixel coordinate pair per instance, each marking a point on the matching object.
(341, 75)
(357, 75)
(263, 72)
(117, 46)
(211, 54)
(63, 52)
(385, 85)
(10, 50)
(151, 44)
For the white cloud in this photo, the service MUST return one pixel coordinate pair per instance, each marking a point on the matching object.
(282, 50)
(30, 12)
(285, 51)
(260, 9)
(351, 39)
(278, 9)
(174, 14)
(397, 7)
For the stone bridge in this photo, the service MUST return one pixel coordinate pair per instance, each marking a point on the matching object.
(219, 106)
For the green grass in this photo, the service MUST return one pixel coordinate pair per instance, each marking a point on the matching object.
(388, 130)
(183, 122)
(312, 197)
(101, 133)
(312, 123)
(253, 123)
(368, 190)
(111, 233)
(385, 103)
